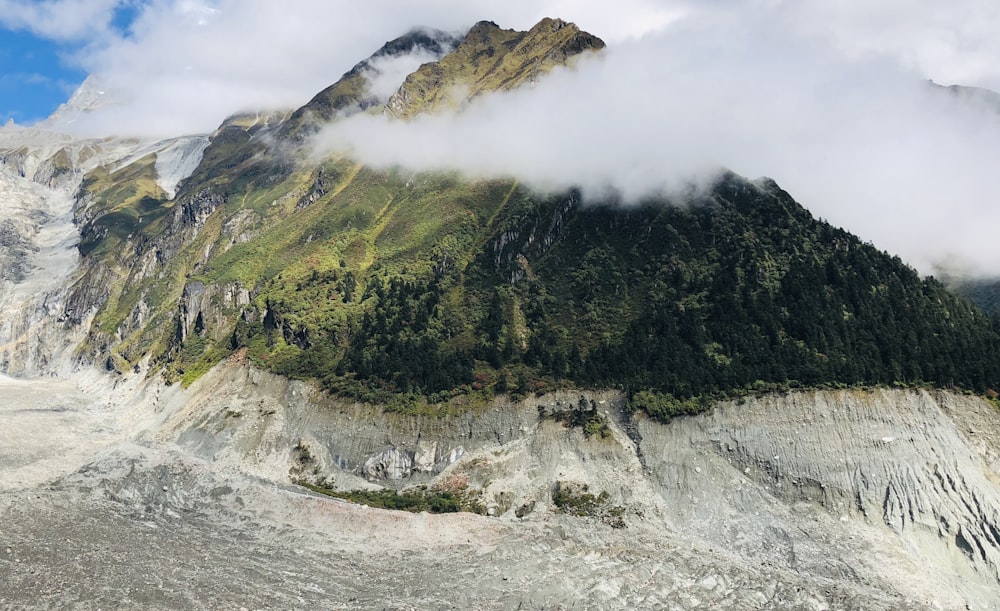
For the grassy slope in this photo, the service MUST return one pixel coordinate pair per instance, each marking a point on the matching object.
(428, 287)
(124, 201)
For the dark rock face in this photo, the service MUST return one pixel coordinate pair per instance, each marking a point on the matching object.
(13, 252)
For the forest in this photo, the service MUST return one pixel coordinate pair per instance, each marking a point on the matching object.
(738, 289)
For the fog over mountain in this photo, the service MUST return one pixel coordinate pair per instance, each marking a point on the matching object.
(238, 338)
(830, 101)
(866, 143)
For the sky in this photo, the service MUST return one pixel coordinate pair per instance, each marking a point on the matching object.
(34, 81)
(828, 98)
(38, 71)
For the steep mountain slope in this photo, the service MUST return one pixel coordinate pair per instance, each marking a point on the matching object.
(984, 293)
(41, 172)
(249, 167)
(417, 289)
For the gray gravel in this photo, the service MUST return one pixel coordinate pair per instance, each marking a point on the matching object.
(199, 512)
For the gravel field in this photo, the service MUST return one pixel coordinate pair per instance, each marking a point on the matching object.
(99, 511)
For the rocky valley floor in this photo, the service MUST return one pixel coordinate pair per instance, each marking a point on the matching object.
(851, 500)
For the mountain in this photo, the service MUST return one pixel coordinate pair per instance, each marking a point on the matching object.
(41, 172)
(357, 90)
(91, 95)
(712, 399)
(986, 99)
(984, 292)
(419, 289)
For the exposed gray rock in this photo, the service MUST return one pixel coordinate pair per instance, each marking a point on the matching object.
(45, 304)
(706, 523)
(390, 463)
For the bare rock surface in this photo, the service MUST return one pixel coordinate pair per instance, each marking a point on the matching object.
(123, 493)
(42, 319)
(143, 528)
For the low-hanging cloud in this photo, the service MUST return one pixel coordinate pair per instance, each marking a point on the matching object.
(830, 99)
(861, 139)
(185, 65)
(385, 74)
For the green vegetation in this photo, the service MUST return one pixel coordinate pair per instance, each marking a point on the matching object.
(686, 301)
(416, 500)
(664, 407)
(123, 205)
(583, 416)
(984, 293)
(417, 290)
(576, 499)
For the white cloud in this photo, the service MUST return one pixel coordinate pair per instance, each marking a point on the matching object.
(187, 64)
(385, 74)
(951, 41)
(862, 140)
(59, 19)
(826, 97)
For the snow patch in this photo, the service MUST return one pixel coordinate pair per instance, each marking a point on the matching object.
(178, 161)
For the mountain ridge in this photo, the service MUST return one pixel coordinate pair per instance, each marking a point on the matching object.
(351, 93)
(345, 273)
(490, 59)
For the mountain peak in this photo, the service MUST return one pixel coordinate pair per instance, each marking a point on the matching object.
(490, 59)
(372, 81)
(91, 95)
(484, 26)
(552, 24)
(977, 96)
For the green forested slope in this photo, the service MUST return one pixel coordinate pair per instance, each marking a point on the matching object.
(411, 289)
(740, 288)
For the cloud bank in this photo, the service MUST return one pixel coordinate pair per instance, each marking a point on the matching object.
(830, 99)
(861, 138)
(185, 65)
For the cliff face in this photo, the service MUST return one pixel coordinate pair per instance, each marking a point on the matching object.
(39, 173)
(879, 499)
(893, 491)
(49, 225)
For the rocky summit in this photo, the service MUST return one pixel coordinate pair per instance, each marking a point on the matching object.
(239, 373)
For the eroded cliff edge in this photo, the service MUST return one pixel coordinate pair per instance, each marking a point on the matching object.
(838, 499)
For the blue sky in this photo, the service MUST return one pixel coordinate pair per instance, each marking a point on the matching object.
(36, 78)
(40, 72)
